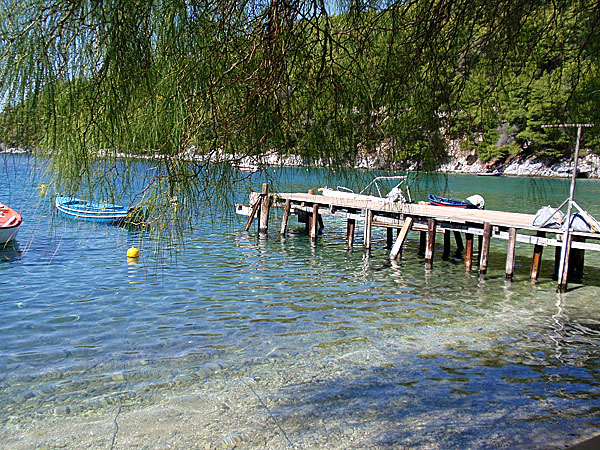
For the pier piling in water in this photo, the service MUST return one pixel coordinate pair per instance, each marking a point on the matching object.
(468, 258)
(510, 252)
(265, 203)
(431, 229)
(536, 261)
(485, 248)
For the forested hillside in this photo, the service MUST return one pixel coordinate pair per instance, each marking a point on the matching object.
(324, 81)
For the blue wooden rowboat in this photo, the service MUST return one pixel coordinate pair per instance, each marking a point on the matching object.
(443, 201)
(93, 211)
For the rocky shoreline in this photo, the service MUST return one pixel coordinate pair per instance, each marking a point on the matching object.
(458, 163)
(532, 166)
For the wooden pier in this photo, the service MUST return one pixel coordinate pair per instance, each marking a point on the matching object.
(429, 221)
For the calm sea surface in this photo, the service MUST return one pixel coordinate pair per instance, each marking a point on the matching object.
(227, 340)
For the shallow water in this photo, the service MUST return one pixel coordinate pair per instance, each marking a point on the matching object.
(235, 341)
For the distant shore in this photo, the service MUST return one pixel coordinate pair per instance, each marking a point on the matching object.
(523, 166)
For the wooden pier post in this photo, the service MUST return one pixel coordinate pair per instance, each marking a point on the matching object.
(368, 227)
(536, 261)
(484, 253)
(468, 251)
(459, 243)
(557, 253)
(577, 258)
(390, 237)
(308, 223)
(563, 271)
(264, 210)
(510, 253)
(314, 223)
(350, 229)
(286, 215)
(397, 248)
(446, 252)
(431, 229)
(422, 242)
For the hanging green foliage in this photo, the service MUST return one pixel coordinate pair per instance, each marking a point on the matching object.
(192, 84)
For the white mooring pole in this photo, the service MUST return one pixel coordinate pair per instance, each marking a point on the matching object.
(563, 269)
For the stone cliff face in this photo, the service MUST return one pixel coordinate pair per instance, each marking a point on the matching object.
(529, 166)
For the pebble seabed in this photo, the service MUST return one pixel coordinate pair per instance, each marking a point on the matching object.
(329, 400)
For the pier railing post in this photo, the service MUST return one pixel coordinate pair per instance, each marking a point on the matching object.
(264, 210)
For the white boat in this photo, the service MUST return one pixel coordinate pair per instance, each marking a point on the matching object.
(10, 221)
(395, 194)
(251, 168)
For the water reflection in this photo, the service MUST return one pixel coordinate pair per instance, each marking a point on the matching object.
(10, 252)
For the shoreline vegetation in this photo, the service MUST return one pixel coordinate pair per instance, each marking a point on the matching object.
(457, 162)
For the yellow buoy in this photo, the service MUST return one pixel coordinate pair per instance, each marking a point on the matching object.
(133, 252)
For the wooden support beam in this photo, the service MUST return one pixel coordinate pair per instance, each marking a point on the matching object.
(368, 227)
(468, 258)
(286, 215)
(484, 253)
(314, 228)
(397, 248)
(431, 228)
(253, 213)
(510, 253)
(422, 242)
(446, 252)
(263, 224)
(536, 260)
(351, 225)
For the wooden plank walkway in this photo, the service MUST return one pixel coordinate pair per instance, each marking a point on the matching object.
(428, 220)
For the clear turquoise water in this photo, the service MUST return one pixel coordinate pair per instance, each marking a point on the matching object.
(342, 348)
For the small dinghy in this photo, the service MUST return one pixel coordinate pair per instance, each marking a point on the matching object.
(94, 211)
(475, 201)
(10, 221)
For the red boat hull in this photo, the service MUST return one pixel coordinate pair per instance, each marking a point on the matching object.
(10, 221)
